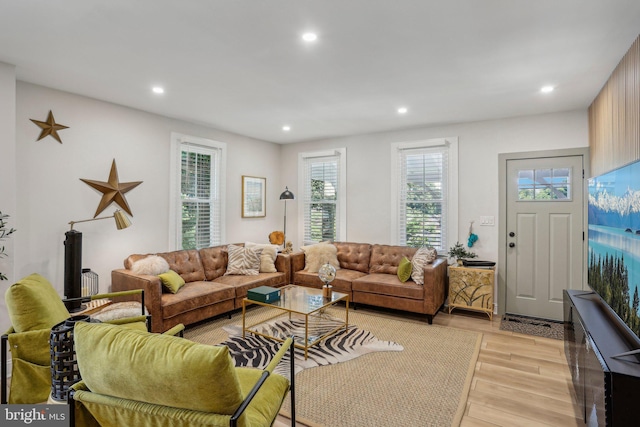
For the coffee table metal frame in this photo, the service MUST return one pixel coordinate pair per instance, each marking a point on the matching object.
(304, 301)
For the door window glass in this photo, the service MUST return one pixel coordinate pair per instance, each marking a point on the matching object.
(544, 184)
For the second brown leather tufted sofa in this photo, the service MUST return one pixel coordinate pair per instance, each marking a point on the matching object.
(207, 292)
(368, 273)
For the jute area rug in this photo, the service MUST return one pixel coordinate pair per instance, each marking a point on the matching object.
(425, 384)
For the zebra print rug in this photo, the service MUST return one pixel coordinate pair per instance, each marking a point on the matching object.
(256, 351)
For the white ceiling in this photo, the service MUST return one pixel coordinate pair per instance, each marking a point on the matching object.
(241, 66)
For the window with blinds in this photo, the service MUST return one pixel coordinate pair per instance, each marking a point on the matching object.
(200, 202)
(423, 205)
(322, 198)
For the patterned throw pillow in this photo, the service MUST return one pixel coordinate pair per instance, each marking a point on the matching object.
(404, 269)
(243, 261)
(422, 257)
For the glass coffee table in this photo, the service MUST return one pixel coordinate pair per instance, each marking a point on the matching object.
(307, 304)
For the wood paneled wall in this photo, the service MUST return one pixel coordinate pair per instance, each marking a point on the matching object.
(614, 117)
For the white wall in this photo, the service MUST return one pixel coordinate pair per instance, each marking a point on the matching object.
(7, 176)
(50, 193)
(368, 171)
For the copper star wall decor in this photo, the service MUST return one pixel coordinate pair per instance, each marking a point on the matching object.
(112, 190)
(50, 127)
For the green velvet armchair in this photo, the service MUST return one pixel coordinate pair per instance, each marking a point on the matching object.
(34, 308)
(133, 378)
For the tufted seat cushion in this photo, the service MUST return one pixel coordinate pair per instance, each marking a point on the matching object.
(195, 294)
(243, 283)
(342, 282)
(388, 284)
(385, 259)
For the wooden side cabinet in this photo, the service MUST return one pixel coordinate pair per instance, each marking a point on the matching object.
(471, 289)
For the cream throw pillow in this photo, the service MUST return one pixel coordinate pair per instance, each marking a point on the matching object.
(243, 261)
(152, 265)
(268, 257)
(316, 256)
(422, 257)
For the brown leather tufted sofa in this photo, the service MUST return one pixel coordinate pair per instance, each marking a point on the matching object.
(207, 292)
(368, 273)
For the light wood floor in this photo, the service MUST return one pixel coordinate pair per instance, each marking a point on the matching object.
(520, 380)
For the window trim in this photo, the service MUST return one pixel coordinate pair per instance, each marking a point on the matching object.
(342, 188)
(175, 223)
(452, 189)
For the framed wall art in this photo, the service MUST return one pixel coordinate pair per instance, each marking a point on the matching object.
(254, 192)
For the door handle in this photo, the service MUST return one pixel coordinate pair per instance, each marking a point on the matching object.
(512, 245)
(512, 234)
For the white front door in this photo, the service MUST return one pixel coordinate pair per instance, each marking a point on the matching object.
(545, 233)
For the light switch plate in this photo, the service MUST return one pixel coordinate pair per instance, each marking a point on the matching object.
(487, 220)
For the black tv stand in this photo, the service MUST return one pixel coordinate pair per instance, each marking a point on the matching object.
(603, 360)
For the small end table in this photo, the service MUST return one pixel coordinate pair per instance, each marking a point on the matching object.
(471, 289)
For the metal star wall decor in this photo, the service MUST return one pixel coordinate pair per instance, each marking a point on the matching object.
(112, 190)
(50, 127)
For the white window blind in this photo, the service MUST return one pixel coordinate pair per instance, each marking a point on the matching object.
(200, 196)
(321, 197)
(423, 193)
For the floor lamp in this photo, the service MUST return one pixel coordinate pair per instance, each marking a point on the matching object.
(73, 258)
(286, 195)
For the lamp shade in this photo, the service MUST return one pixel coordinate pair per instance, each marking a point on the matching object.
(287, 195)
(122, 221)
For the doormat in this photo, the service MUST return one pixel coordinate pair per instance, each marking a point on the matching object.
(533, 326)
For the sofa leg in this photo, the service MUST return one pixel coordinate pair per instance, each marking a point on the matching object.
(430, 319)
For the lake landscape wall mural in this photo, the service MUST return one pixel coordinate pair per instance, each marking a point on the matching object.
(614, 241)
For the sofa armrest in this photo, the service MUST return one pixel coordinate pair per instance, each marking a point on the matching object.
(125, 280)
(435, 279)
(283, 265)
(297, 262)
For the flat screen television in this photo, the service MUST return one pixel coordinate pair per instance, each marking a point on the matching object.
(614, 243)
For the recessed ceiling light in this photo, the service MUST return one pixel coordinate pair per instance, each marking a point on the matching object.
(157, 89)
(403, 110)
(286, 128)
(546, 89)
(309, 37)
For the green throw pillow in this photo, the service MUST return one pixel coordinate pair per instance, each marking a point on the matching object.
(404, 269)
(172, 281)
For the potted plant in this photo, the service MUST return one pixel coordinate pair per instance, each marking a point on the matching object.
(4, 233)
(458, 252)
